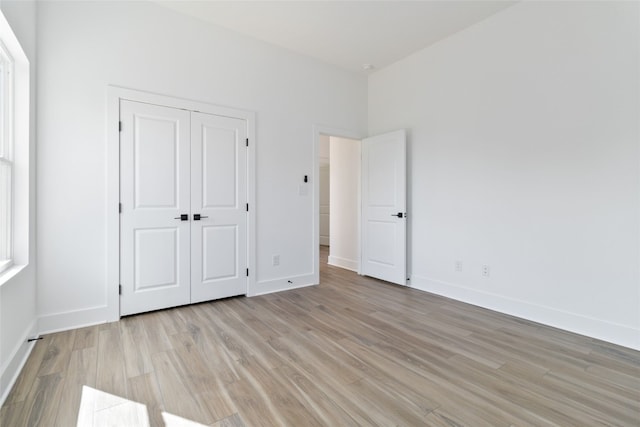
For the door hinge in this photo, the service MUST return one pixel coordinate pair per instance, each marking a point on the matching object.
(120, 126)
(247, 272)
(247, 142)
(120, 207)
(119, 289)
(247, 207)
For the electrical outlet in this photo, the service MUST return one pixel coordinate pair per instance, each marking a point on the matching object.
(275, 260)
(457, 266)
(485, 270)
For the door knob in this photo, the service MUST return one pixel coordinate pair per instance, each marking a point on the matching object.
(183, 217)
(197, 217)
(399, 215)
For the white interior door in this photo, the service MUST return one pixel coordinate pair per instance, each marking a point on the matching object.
(154, 193)
(219, 197)
(384, 207)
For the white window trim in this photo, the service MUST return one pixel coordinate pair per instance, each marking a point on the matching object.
(19, 153)
(6, 145)
(7, 262)
(4, 265)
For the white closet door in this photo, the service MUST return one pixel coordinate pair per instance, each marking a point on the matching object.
(154, 193)
(384, 207)
(219, 197)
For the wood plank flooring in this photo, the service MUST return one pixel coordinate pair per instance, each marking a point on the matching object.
(352, 351)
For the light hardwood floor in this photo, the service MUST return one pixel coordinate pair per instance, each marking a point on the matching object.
(351, 351)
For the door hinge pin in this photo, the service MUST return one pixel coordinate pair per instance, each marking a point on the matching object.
(247, 272)
(119, 289)
(247, 142)
(247, 207)
(120, 207)
(120, 126)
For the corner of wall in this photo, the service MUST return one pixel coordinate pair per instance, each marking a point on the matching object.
(11, 369)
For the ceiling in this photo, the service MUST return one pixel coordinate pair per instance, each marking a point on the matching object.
(344, 33)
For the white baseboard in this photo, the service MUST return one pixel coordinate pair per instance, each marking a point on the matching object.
(349, 264)
(283, 284)
(595, 328)
(13, 367)
(58, 322)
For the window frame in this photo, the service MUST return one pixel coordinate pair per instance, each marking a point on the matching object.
(20, 152)
(7, 106)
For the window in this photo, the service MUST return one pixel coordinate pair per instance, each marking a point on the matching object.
(6, 158)
(16, 188)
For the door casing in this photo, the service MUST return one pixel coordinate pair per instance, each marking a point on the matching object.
(114, 95)
(341, 133)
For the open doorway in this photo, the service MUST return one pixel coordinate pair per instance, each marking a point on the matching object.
(339, 201)
(374, 238)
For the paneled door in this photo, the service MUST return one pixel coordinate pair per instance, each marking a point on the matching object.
(183, 193)
(384, 207)
(218, 203)
(155, 192)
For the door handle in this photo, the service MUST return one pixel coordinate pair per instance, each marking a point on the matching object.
(197, 217)
(183, 217)
(399, 215)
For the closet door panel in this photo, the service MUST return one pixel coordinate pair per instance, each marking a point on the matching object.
(154, 192)
(218, 200)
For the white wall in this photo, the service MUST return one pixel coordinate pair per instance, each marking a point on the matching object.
(324, 150)
(85, 46)
(344, 189)
(325, 193)
(524, 155)
(325, 204)
(18, 294)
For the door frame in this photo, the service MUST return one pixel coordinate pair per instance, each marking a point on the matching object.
(114, 95)
(340, 133)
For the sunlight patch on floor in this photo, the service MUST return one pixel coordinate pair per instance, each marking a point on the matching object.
(101, 409)
(176, 421)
